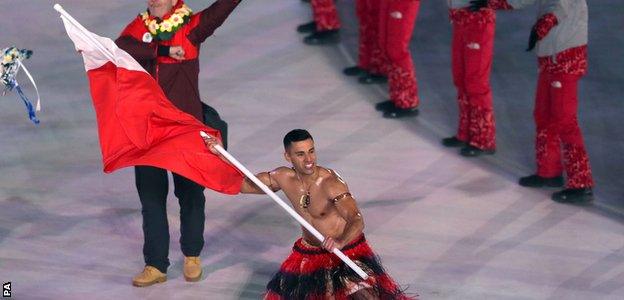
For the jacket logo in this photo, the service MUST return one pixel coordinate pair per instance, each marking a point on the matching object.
(473, 46)
(147, 37)
(396, 15)
(556, 84)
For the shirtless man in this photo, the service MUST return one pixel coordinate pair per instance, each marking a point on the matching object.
(323, 199)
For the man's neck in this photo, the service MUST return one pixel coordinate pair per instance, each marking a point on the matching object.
(159, 12)
(308, 177)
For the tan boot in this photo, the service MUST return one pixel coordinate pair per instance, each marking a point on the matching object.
(149, 276)
(192, 268)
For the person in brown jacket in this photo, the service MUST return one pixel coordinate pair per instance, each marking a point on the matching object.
(166, 40)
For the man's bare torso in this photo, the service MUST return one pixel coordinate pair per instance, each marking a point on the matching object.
(320, 210)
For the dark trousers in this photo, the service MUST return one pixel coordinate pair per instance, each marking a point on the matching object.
(153, 186)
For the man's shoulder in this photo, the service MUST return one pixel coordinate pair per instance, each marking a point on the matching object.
(331, 178)
(283, 171)
(195, 19)
(332, 184)
(328, 173)
(136, 28)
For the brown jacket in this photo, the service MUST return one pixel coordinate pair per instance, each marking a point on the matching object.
(178, 79)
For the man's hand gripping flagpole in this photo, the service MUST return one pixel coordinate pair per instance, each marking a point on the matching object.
(101, 48)
(285, 206)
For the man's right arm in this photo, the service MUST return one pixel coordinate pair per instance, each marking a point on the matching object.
(137, 49)
(248, 186)
(268, 178)
(130, 41)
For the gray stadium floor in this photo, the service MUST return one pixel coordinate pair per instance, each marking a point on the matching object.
(447, 227)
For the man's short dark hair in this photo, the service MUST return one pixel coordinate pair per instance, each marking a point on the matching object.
(296, 135)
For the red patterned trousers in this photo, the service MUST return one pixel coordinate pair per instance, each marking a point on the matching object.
(370, 57)
(555, 113)
(472, 49)
(396, 24)
(325, 15)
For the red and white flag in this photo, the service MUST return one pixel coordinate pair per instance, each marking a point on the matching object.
(138, 125)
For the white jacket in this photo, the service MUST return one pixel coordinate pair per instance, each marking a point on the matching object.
(571, 30)
(454, 4)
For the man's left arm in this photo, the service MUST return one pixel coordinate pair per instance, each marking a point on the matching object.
(344, 202)
(554, 10)
(210, 19)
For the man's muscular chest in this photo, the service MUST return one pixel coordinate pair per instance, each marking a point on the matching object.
(311, 202)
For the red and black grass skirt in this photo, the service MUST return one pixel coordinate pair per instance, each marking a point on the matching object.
(312, 273)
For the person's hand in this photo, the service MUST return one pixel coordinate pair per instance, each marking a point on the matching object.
(329, 244)
(476, 5)
(211, 142)
(176, 52)
(532, 40)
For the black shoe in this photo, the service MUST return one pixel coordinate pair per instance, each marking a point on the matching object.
(395, 112)
(582, 195)
(472, 151)
(452, 142)
(306, 1)
(322, 37)
(372, 79)
(539, 181)
(307, 27)
(384, 105)
(354, 71)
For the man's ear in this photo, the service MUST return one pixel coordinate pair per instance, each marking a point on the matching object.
(287, 157)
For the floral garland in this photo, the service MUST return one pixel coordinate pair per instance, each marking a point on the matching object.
(164, 29)
(10, 63)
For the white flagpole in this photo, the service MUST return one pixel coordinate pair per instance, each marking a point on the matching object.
(109, 55)
(286, 207)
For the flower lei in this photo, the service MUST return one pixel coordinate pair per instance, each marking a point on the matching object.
(10, 64)
(164, 29)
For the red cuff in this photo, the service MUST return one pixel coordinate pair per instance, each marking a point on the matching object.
(544, 24)
(499, 4)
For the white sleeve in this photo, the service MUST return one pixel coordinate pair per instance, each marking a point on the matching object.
(557, 7)
(516, 4)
